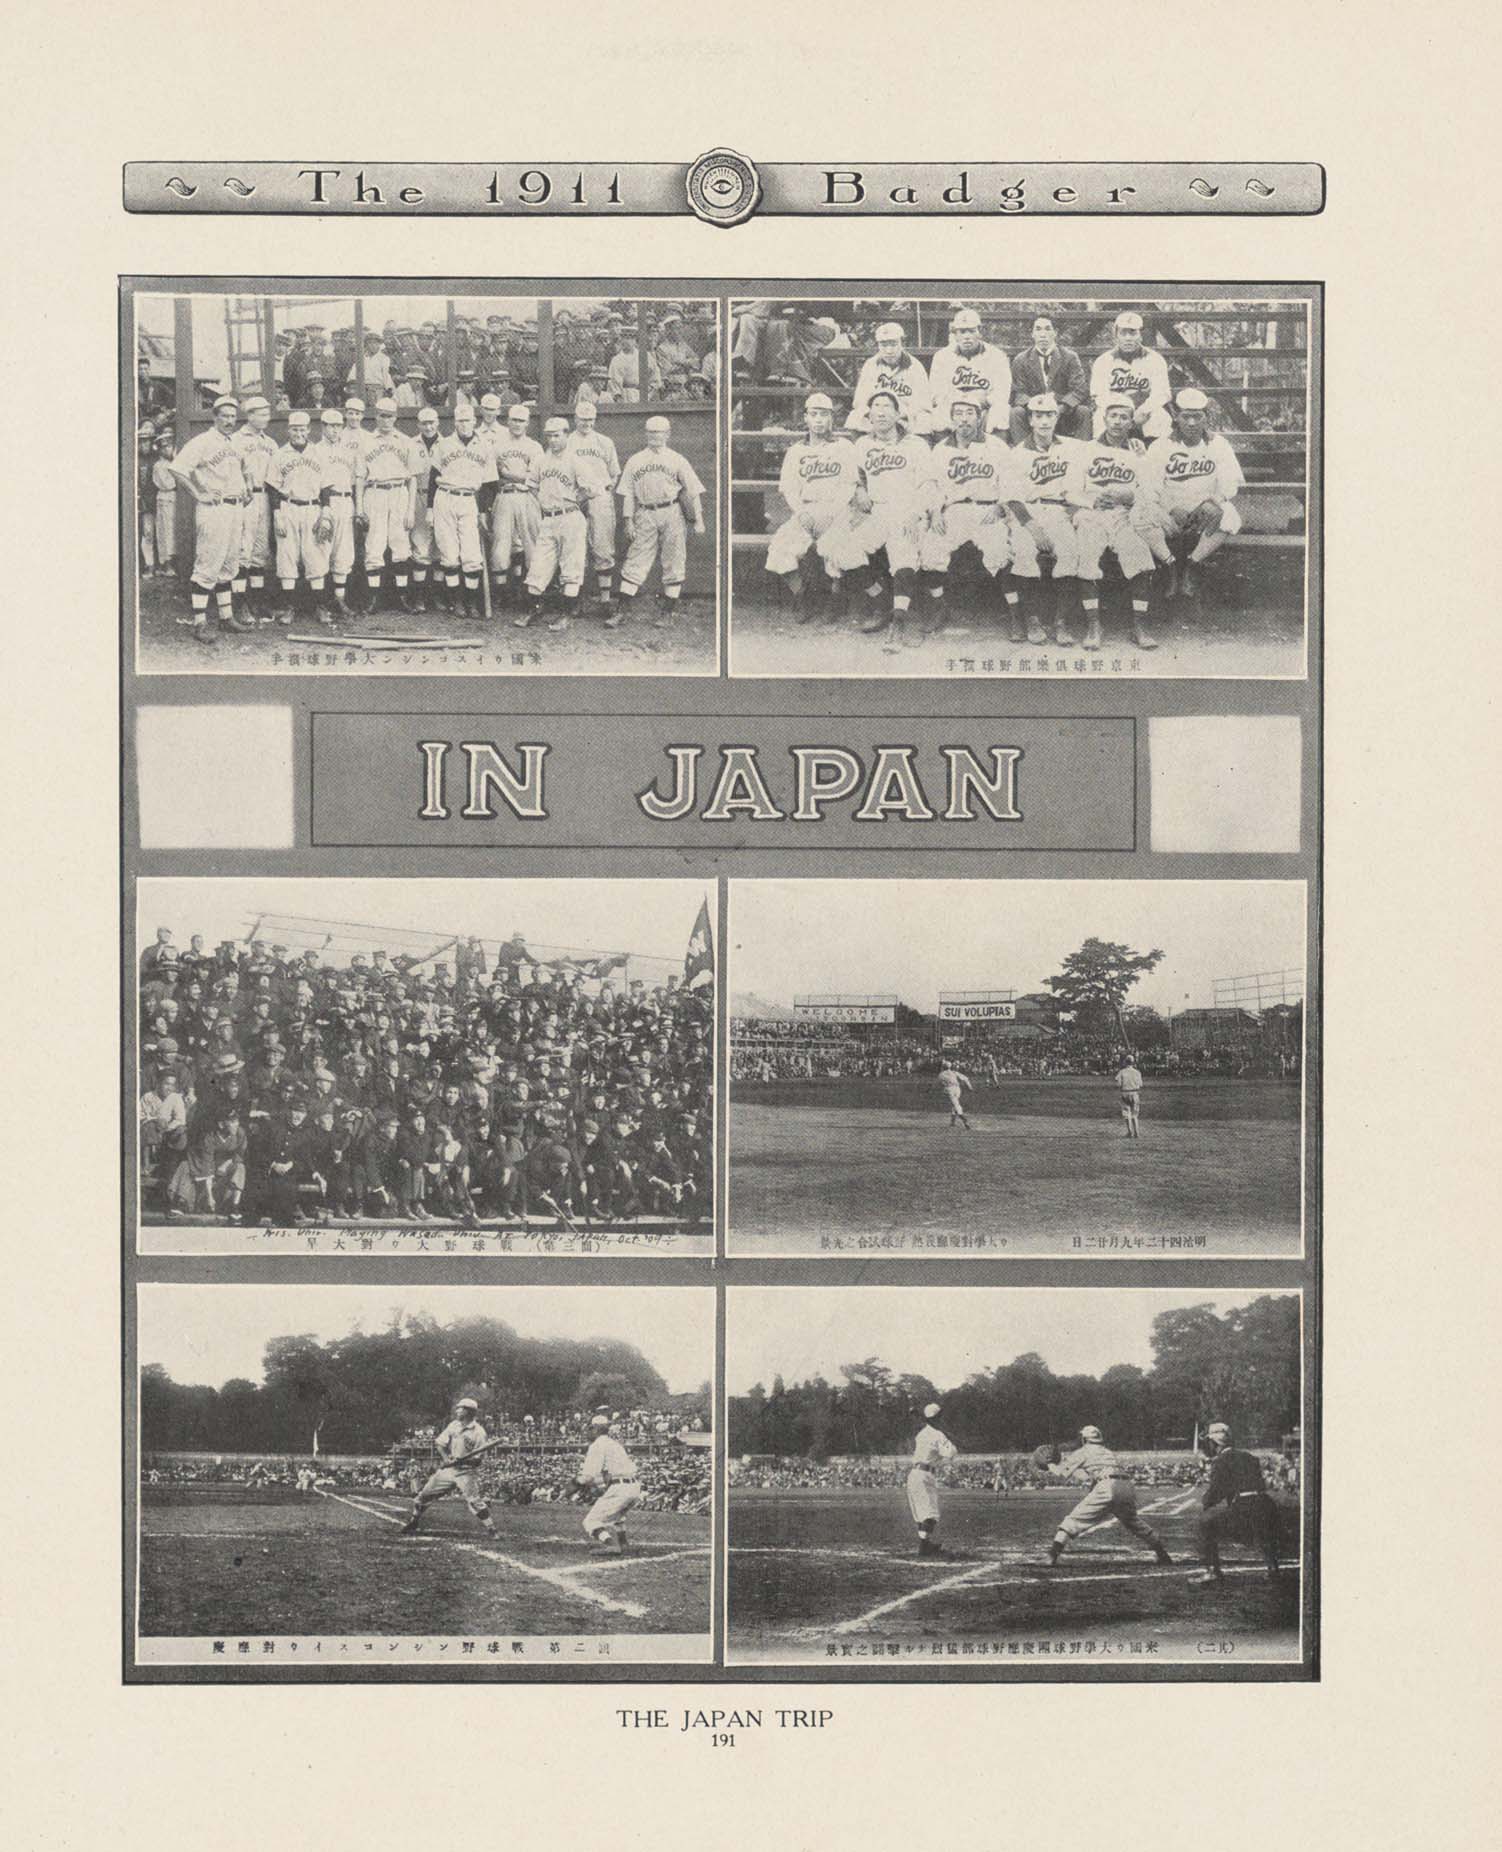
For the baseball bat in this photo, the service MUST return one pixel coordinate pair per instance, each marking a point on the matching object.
(485, 566)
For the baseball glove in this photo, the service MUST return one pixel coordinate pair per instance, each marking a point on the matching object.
(323, 528)
(1045, 1455)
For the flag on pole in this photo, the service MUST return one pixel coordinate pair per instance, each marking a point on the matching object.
(698, 960)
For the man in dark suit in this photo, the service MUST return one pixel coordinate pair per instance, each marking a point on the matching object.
(1047, 367)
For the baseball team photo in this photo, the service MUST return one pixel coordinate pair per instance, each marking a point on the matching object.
(423, 483)
(1011, 1481)
(1093, 485)
(420, 1067)
(344, 1476)
(1101, 1069)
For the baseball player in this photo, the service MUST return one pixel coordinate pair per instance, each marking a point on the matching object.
(356, 439)
(1114, 508)
(1044, 543)
(896, 493)
(1139, 372)
(489, 428)
(607, 1467)
(972, 470)
(1236, 1504)
(422, 506)
(463, 1436)
(654, 488)
(892, 369)
(1111, 1495)
(299, 525)
(257, 447)
(517, 518)
(596, 456)
(343, 473)
(819, 475)
(970, 368)
(932, 1451)
(1195, 477)
(1129, 1086)
(956, 1085)
(463, 475)
(165, 484)
(387, 510)
(562, 544)
(213, 471)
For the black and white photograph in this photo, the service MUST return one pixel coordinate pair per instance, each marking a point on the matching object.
(425, 1066)
(961, 1069)
(350, 1477)
(1007, 1482)
(421, 483)
(1091, 486)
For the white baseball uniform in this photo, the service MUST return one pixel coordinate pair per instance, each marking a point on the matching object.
(516, 517)
(601, 467)
(908, 383)
(898, 476)
(344, 464)
(649, 488)
(422, 520)
(932, 1451)
(1101, 468)
(1184, 475)
(1143, 379)
(297, 476)
(608, 1465)
(984, 377)
(461, 469)
(1112, 1493)
(971, 478)
(817, 479)
(454, 1444)
(256, 448)
(214, 469)
(1041, 479)
(392, 462)
(563, 533)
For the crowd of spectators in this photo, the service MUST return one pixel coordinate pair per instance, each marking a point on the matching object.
(1001, 1473)
(767, 1049)
(283, 1089)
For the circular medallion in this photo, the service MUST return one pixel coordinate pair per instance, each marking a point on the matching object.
(723, 187)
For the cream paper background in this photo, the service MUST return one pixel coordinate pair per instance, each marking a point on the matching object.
(1392, 1747)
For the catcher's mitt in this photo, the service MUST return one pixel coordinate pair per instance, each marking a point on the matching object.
(323, 529)
(1045, 1455)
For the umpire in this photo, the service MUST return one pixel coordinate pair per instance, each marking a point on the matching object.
(1236, 1505)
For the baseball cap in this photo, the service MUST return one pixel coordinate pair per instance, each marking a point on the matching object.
(256, 405)
(298, 421)
(1217, 1430)
(1091, 1434)
(965, 318)
(490, 403)
(1191, 399)
(466, 1401)
(354, 405)
(1116, 400)
(600, 1421)
(818, 402)
(1043, 402)
(890, 397)
(232, 403)
(553, 426)
(658, 424)
(385, 405)
(889, 331)
(1128, 318)
(333, 416)
(519, 411)
(930, 1411)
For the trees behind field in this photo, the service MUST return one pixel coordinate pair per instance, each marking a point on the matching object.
(360, 1393)
(1243, 1367)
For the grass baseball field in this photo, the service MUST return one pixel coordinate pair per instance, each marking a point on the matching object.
(222, 1560)
(832, 1576)
(637, 648)
(1248, 620)
(827, 1166)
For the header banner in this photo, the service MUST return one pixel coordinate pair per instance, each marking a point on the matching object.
(844, 1012)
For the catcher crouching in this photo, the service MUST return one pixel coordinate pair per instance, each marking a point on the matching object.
(1111, 1495)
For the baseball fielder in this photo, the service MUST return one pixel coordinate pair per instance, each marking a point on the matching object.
(972, 471)
(257, 447)
(1195, 477)
(955, 1086)
(891, 506)
(891, 369)
(213, 471)
(819, 475)
(1111, 1495)
(1114, 505)
(423, 546)
(653, 488)
(517, 516)
(388, 505)
(1236, 1504)
(970, 368)
(464, 479)
(607, 1466)
(1138, 372)
(932, 1451)
(595, 455)
(343, 473)
(462, 1437)
(1044, 542)
(1129, 1086)
(563, 537)
(294, 485)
